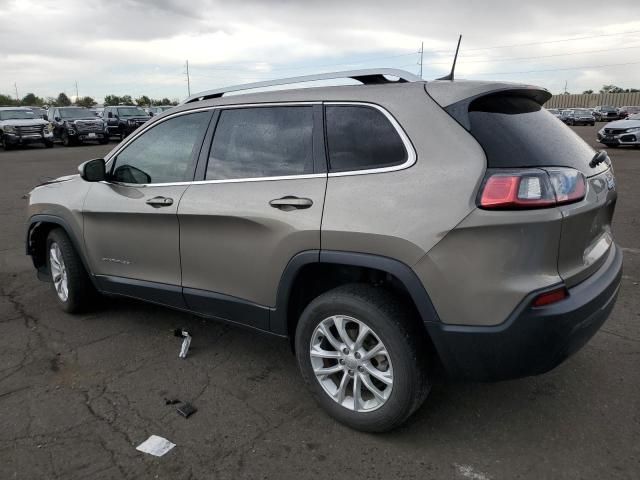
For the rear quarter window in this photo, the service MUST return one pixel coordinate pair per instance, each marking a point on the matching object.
(360, 137)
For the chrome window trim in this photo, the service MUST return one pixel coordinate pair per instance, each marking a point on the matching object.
(411, 153)
(228, 180)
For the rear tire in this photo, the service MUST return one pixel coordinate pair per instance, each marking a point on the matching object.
(403, 361)
(71, 284)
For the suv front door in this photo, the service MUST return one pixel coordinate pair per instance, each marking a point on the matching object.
(258, 205)
(130, 222)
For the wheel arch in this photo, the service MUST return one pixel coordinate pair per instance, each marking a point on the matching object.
(38, 229)
(313, 272)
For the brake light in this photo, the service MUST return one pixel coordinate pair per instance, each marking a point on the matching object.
(548, 298)
(531, 188)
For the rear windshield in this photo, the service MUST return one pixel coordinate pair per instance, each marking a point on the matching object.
(515, 131)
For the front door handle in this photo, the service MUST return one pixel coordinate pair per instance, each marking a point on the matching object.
(291, 203)
(160, 201)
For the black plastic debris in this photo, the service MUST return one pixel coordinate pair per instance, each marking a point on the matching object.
(186, 410)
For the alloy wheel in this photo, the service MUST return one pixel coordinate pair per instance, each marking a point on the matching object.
(58, 272)
(351, 363)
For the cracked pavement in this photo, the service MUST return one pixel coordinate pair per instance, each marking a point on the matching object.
(79, 393)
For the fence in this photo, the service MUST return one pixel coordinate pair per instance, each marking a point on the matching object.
(593, 100)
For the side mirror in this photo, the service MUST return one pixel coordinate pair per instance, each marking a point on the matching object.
(93, 170)
(110, 115)
(57, 119)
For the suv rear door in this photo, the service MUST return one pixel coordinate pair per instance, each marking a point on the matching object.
(258, 204)
(130, 222)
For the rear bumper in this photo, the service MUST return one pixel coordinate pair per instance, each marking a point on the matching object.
(532, 340)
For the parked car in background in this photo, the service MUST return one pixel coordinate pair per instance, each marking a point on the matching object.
(153, 111)
(122, 120)
(605, 113)
(624, 112)
(555, 112)
(280, 211)
(75, 125)
(621, 132)
(39, 112)
(578, 116)
(20, 126)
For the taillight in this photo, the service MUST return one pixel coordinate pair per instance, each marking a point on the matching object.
(531, 188)
(547, 298)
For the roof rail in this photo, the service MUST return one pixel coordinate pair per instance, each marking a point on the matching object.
(366, 77)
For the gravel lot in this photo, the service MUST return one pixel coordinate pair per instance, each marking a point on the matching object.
(79, 393)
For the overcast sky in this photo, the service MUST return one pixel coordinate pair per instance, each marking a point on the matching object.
(139, 47)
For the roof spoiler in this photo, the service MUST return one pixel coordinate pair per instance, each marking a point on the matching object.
(460, 109)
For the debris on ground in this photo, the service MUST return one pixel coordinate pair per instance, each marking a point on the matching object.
(186, 410)
(156, 446)
(186, 342)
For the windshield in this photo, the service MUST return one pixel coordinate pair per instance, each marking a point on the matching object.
(76, 113)
(16, 114)
(131, 112)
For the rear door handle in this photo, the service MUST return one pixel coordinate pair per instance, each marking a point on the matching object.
(160, 201)
(291, 203)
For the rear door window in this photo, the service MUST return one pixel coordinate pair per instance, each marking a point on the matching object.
(361, 137)
(258, 142)
(516, 131)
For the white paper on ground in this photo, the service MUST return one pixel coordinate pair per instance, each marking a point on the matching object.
(155, 445)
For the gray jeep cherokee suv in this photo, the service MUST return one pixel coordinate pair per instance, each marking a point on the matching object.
(386, 228)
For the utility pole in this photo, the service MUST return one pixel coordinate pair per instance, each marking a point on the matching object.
(565, 87)
(77, 96)
(15, 85)
(421, 57)
(188, 80)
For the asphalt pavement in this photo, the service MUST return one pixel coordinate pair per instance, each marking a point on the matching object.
(79, 393)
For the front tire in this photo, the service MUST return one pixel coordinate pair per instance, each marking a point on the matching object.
(6, 146)
(66, 140)
(71, 284)
(362, 357)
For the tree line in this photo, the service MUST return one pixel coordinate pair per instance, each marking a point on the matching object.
(62, 100)
(612, 89)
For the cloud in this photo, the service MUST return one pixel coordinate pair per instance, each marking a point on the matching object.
(136, 46)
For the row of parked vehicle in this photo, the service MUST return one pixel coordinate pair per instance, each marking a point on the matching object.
(70, 125)
(623, 130)
(588, 116)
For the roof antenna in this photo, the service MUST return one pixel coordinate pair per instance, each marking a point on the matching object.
(453, 68)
